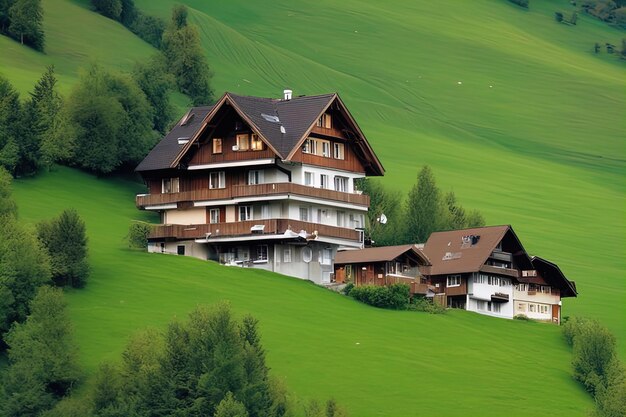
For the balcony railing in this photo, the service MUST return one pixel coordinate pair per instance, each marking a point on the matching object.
(242, 228)
(239, 191)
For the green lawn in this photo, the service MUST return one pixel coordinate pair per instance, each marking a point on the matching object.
(375, 362)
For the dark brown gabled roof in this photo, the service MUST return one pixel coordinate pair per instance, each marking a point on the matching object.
(553, 276)
(282, 124)
(162, 155)
(381, 254)
(449, 254)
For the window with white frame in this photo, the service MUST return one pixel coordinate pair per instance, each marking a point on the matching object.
(245, 213)
(308, 178)
(325, 148)
(338, 150)
(265, 211)
(323, 181)
(310, 146)
(543, 309)
(341, 218)
(304, 214)
(522, 287)
(214, 215)
(287, 255)
(480, 305)
(217, 179)
(217, 145)
(327, 254)
(493, 307)
(170, 185)
(532, 308)
(479, 279)
(261, 253)
(255, 177)
(341, 183)
(453, 281)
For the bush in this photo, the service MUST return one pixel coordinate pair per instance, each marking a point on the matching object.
(348, 288)
(138, 233)
(395, 296)
(522, 317)
(427, 305)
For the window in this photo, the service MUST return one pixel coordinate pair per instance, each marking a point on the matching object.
(324, 121)
(217, 145)
(243, 142)
(256, 143)
(287, 255)
(170, 185)
(532, 308)
(217, 179)
(522, 287)
(453, 281)
(479, 279)
(341, 184)
(480, 305)
(308, 178)
(265, 211)
(341, 218)
(521, 307)
(327, 254)
(325, 148)
(307, 254)
(323, 181)
(214, 215)
(493, 307)
(304, 214)
(338, 150)
(310, 146)
(180, 249)
(255, 177)
(261, 253)
(245, 213)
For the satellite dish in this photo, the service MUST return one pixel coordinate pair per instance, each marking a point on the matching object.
(383, 219)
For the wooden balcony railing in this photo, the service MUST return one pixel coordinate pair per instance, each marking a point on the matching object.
(242, 228)
(238, 191)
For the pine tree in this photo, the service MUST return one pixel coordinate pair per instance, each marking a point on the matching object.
(7, 204)
(10, 110)
(230, 407)
(185, 58)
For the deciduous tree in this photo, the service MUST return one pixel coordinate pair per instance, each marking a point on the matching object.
(423, 208)
(26, 19)
(156, 83)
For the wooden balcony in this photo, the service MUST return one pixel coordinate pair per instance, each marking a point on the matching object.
(259, 190)
(242, 228)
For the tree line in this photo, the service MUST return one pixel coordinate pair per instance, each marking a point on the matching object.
(22, 20)
(425, 210)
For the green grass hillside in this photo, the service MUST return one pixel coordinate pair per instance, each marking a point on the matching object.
(375, 362)
(533, 136)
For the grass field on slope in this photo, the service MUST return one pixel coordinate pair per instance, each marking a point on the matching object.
(513, 111)
(375, 362)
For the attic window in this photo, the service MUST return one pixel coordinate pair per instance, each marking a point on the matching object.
(187, 118)
(269, 118)
(324, 121)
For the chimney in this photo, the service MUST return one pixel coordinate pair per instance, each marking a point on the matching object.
(287, 94)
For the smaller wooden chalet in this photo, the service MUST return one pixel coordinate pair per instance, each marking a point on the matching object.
(487, 270)
(383, 266)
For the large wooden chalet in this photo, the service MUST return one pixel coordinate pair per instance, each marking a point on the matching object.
(261, 182)
(487, 270)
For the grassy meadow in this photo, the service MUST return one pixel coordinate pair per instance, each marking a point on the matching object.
(375, 362)
(513, 111)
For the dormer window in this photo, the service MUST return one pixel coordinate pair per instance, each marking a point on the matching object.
(324, 121)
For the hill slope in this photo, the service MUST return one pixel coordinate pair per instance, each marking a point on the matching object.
(512, 110)
(375, 362)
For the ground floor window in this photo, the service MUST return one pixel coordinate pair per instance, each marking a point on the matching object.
(180, 249)
(493, 307)
(287, 255)
(261, 253)
(327, 254)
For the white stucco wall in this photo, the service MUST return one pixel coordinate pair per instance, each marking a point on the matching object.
(482, 292)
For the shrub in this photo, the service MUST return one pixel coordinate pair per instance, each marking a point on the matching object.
(138, 233)
(523, 3)
(348, 288)
(395, 296)
(427, 305)
(522, 317)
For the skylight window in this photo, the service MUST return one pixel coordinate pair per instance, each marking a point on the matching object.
(269, 118)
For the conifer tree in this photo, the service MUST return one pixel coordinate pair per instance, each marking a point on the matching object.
(424, 210)
(10, 110)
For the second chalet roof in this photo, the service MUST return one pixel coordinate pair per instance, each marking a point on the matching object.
(282, 123)
(381, 254)
(449, 252)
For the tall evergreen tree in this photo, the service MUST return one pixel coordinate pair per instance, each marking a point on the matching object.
(424, 210)
(66, 242)
(385, 221)
(26, 23)
(7, 204)
(42, 357)
(156, 83)
(24, 267)
(5, 5)
(185, 58)
(10, 110)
